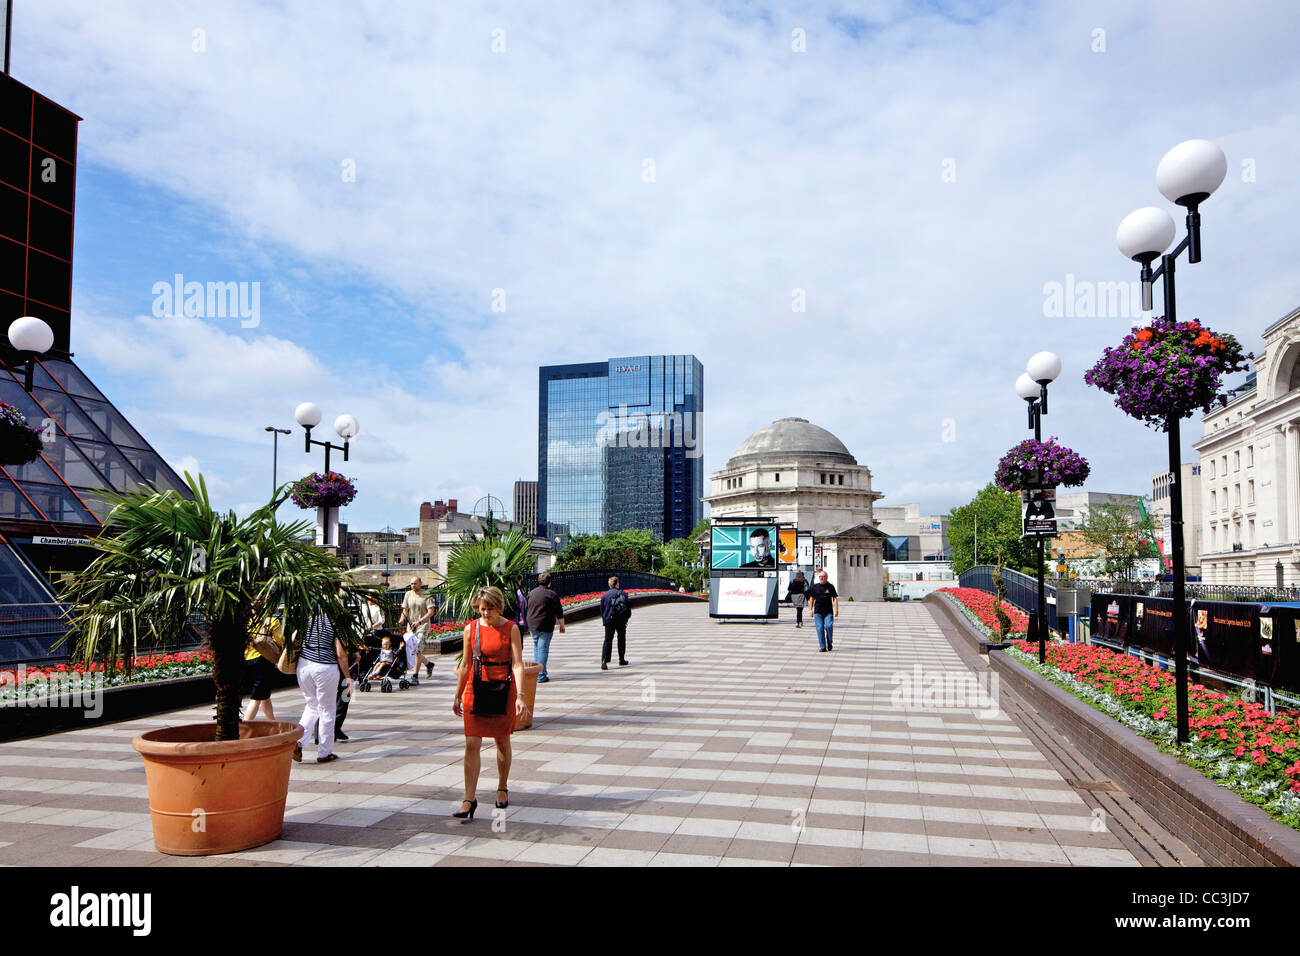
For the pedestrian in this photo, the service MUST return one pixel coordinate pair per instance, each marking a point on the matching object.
(826, 607)
(543, 612)
(797, 593)
(344, 696)
(260, 672)
(417, 612)
(319, 663)
(615, 609)
(488, 679)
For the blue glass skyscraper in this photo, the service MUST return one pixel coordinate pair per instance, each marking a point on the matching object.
(620, 445)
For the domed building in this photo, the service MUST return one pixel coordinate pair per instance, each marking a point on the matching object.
(801, 474)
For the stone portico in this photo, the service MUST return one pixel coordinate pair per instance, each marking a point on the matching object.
(799, 473)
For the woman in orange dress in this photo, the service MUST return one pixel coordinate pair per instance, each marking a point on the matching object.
(501, 652)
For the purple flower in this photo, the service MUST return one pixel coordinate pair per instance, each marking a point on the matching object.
(1040, 464)
(1167, 370)
(330, 490)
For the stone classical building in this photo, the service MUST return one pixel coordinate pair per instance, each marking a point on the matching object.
(1250, 471)
(798, 473)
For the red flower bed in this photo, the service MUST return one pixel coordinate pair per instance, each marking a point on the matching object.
(984, 606)
(151, 662)
(1271, 741)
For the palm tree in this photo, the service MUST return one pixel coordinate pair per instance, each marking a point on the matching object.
(498, 561)
(166, 561)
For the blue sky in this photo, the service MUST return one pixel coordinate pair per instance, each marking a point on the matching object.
(920, 172)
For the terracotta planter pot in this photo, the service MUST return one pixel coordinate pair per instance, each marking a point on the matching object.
(210, 797)
(531, 671)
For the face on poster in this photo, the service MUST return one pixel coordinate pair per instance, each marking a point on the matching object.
(744, 546)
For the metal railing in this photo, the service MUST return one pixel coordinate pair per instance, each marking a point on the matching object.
(1248, 593)
(1198, 674)
(1022, 590)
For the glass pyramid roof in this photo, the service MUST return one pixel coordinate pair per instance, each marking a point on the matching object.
(94, 448)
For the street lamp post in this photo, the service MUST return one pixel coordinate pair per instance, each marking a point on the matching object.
(1042, 369)
(275, 455)
(1187, 176)
(345, 426)
(30, 337)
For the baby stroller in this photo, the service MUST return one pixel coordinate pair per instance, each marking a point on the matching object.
(385, 672)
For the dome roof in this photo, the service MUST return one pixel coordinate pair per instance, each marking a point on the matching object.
(791, 436)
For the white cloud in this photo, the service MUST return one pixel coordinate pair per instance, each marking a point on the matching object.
(774, 171)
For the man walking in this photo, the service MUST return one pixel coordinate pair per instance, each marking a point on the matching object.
(542, 612)
(417, 612)
(826, 607)
(615, 609)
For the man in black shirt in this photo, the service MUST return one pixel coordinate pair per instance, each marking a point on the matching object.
(825, 602)
(542, 611)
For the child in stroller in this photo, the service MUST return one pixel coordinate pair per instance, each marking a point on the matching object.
(387, 665)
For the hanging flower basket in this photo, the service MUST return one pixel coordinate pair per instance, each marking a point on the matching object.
(328, 490)
(1167, 370)
(1040, 464)
(20, 443)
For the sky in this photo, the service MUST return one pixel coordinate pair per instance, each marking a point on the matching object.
(853, 214)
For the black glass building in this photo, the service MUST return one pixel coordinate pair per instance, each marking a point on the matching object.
(51, 506)
(620, 445)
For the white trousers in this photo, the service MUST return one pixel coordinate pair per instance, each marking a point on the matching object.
(320, 687)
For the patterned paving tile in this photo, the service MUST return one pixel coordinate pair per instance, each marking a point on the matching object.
(735, 746)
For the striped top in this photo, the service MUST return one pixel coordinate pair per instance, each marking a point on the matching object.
(318, 645)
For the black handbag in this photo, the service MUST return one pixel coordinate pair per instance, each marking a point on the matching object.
(490, 696)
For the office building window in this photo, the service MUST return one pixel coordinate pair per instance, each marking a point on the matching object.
(841, 479)
(1250, 491)
(1214, 502)
(1236, 461)
(426, 557)
(370, 559)
(1250, 456)
(778, 476)
(823, 478)
(1211, 467)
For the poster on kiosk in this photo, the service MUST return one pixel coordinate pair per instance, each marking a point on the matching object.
(743, 569)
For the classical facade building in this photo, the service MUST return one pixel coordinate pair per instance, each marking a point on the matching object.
(1250, 471)
(798, 473)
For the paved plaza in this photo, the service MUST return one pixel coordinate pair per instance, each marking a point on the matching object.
(721, 745)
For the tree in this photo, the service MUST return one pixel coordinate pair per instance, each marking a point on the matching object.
(998, 514)
(635, 549)
(1121, 533)
(500, 561)
(681, 551)
(165, 561)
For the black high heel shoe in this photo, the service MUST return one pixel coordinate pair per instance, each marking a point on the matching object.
(500, 805)
(464, 814)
